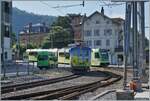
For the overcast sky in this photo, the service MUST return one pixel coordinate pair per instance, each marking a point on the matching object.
(46, 8)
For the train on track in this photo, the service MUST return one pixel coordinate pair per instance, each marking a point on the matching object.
(45, 58)
(79, 57)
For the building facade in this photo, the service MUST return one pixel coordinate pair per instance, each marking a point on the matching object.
(103, 32)
(34, 34)
(76, 23)
(6, 30)
(36, 28)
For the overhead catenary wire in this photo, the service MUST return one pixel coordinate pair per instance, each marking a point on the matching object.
(65, 6)
(52, 7)
(110, 4)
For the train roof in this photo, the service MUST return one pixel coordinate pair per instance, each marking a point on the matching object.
(40, 50)
(64, 49)
(80, 47)
(96, 49)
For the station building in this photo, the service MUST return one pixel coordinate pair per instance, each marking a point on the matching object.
(5, 30)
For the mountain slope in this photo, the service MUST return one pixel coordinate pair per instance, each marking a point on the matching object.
(21, 18)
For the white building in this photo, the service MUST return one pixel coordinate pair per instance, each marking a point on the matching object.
(103, 32)
(5, 29)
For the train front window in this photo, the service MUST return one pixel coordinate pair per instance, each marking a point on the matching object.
(33, 53)
(67, 55)
(85, 53)
(104, 55)
(97, 55)
(42, 57)
(61, 54)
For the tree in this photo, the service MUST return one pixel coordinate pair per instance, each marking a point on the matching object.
(14, 38)
(65, 23)
(57, 38)
(21, 48)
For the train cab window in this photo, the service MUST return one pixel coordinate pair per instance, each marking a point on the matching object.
(97, 55)
(61, 54)
(43, 57)
(86, 53)
(33, 53)
(67, 55)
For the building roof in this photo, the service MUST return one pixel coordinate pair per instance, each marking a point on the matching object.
(119, 20)
(114, 20)
(36, 25)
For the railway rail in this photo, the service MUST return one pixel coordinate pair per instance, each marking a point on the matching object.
(68, 93)
(113, 69)
(12, 88)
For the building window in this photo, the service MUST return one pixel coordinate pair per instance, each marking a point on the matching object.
(1, 57)
(87, 23)
(107, 32)
(6, 7)
(6, 31)
(97, 22)
(89, 43)
(88, 33)
(107, 42)
(96, 32)
(5, 55)
(97, 43)
(107, 22)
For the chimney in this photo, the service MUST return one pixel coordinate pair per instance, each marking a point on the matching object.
(102, 10)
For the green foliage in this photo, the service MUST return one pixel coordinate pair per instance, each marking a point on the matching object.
(61, 34)
(62, 21)
(13, 38)
(57, 38)
(22, 48)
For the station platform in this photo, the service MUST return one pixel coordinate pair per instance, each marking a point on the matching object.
(144, 95)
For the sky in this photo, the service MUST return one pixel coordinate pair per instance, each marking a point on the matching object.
(46, 8)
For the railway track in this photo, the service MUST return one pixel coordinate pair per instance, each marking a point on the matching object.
(113, 69)
(16, 87)
(68, 93)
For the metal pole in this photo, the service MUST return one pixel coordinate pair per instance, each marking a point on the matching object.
(0, 34)
(17, 74)
(126, 39)
(30, 25)
(2, 38)
(135, 64)
(142, 41)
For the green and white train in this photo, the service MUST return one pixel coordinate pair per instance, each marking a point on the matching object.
(53, 57)
(45, 58)
(99, 57)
